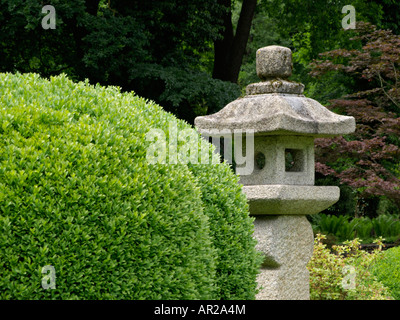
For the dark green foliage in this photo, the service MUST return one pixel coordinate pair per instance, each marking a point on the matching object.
(387, 270)
(366, 229)
(187, 93)
(338, 226)
(347, 202)
(77, 193)
(158, 49)
(310, 28)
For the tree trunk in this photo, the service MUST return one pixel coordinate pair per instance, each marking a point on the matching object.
(92, 6)
(223, 45)
(229, 51)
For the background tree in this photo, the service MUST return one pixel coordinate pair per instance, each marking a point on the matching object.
(161, 49)
(230, 47)
(309, 28)
(369, 159)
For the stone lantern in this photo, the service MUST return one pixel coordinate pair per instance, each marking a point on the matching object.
(279, 125)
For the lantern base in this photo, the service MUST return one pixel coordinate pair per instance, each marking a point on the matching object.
(286, 243)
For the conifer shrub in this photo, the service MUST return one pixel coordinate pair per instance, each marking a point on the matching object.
(77, 193)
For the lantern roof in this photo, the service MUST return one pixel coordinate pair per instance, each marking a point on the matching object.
(276, 106)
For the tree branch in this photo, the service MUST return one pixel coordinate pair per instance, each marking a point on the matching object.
(384, 91)
(241, 36)
(395, 74)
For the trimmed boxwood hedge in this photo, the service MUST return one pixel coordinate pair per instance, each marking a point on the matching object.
(77, 193)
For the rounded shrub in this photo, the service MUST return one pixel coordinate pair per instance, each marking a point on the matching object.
(237, 262)
(77, 192)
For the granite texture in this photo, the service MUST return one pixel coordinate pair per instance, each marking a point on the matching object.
(290, 199)
(275, 86)
(287, 245)
(277, 114)
(274, 149)
(274, 62)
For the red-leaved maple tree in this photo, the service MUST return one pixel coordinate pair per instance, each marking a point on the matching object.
(369, 159)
